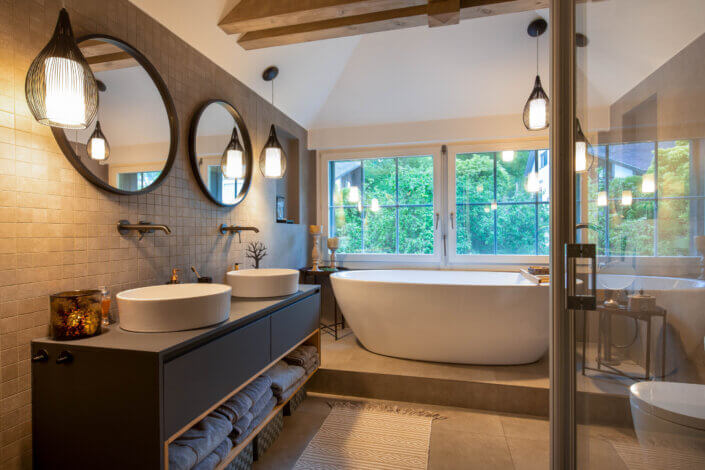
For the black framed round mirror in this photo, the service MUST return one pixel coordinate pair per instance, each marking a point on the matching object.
(131, 145)
(220, 152)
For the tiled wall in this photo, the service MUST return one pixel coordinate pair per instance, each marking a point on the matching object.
(57, 231)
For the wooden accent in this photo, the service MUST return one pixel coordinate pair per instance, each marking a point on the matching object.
(115, 61)
(386, 20)
(336, 28)
(443, 12)
(314, 338)
(255, 15)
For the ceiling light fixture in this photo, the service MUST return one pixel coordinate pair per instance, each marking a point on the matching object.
(507, 155)
(581, 149)
(536, 110)
(272, 160)
(60, 88)
(232, 164)
(532, 182)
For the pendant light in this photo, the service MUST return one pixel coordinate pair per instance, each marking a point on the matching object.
(581, 149)
(272, 160)
(602, 199)
(232, 163)
(648, 183)
(532, 182)
(374, 205)
(536, 110)
(507, 155)
(353, 194)
(97, 147)
(626, 198)
(60, 88)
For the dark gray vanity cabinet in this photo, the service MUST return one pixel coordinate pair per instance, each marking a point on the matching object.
(119, 397)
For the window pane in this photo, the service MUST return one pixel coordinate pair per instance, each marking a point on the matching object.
(345, 182)
(512, 176)
(474, 177)
(544, 194)
(516, 229)
(674, 168)
(380, 181)
(674, 227)
(347, 225)
(544, 229)
(632, 229)
(380, 230)
(416, 180)
(415, 230)
(475, 230)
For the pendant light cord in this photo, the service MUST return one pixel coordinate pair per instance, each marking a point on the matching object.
(537, 55)
(272, 92)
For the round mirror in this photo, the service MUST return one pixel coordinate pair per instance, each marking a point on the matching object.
(131, 144)
(221, 152)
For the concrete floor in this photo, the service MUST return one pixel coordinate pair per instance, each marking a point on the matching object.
(466, 439)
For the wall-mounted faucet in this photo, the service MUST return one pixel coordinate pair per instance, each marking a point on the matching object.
(124, 227)
(236, 229)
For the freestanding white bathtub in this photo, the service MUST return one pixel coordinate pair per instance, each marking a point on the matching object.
(467, 317)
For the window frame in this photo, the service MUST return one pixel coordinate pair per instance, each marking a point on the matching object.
(456, 260)
(323, 163)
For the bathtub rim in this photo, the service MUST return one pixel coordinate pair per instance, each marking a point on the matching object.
(341, 275)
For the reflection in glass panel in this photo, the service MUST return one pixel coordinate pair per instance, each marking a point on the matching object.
(516, 229)
(544, 230)
(347, 225)
(416, 231)
(474, 177)
(379, 230)
(380, 180)
(416, 180)
(475, 233)
(511, 177)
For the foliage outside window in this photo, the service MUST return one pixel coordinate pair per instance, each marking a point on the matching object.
(382, 205)
(502, 203)
(667, 202)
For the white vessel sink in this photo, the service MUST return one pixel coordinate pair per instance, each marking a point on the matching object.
(263, 282)
(173, 307)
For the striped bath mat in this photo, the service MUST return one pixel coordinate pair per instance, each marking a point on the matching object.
(649, 458)
(357, 436)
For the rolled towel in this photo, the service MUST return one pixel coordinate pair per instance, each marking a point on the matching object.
(257, 408)
(194, 445)
(215, 457)
(257, 388)
(300, 355)
(242, 425)
(284, 376)
(236, 406)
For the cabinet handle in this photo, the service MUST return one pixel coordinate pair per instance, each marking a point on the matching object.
(438, 216)
(452, 220)
(41, 356)
(65, 357)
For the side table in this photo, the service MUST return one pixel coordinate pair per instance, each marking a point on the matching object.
(322, 278)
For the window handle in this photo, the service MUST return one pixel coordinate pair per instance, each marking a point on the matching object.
(438, 216)
(445, 250)
(452, 220)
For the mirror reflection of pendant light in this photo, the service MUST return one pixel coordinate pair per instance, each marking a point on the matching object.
(374, 205)
(60, 88)
(648, 183)
(232, 163)
(493, 206)
(272, 160)
(532, 182)
(507, 155)
(626, 198)
(353, 194)
(536, 110)
(581, 149)
(97, 146)
(602, 199)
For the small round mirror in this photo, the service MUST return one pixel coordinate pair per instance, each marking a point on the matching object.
(131, 144)
(221, 152)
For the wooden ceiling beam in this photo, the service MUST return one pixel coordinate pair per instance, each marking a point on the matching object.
(443, 12)
(386, 20)
(256, 15)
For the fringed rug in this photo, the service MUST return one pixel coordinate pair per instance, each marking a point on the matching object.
(361, 436)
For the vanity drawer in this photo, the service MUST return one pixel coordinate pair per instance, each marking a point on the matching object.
(197, 380)
(293, 323)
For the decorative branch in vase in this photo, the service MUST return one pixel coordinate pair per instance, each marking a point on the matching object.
(256, 251)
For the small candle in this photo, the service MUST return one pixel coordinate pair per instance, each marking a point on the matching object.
(333, 243)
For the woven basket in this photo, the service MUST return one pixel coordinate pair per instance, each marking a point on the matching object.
(268, 435)
(295, 401)
(244, 459)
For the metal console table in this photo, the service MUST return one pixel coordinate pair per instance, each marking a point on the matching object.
(604, 339)
(322, 278)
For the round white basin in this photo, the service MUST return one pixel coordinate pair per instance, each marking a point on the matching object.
(263, 282)
(173, 307)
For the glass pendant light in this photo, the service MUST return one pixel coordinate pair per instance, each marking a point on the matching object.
(602, 199)
(581, 146)
(532, 182)
(536, 110)
(353, 194)
(60, 88)
(626, 198)
(272, 160)
(232, 164)
(374, 205)
(648, 183)
(507, 155)
(493, 206)
(97, 146)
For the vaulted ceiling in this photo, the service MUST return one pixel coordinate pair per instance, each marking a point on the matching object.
(479, 67)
